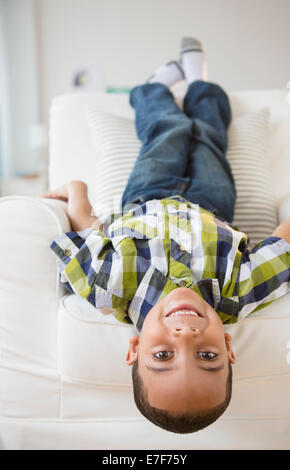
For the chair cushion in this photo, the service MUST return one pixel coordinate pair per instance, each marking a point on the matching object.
(117, 146)
(92, 349)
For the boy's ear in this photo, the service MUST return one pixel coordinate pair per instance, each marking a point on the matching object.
(231, 355)
(132, 351)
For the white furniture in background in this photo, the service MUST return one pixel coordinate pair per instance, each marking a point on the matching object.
(23, 186)
(63, 379)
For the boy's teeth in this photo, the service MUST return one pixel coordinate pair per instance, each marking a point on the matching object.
(184, 312)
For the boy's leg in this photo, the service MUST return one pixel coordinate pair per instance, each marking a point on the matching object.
(207, 105)
(165, 132)
(211, 180)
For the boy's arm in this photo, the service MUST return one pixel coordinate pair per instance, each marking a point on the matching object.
(79, 210)
(283, 230)
(264, 273)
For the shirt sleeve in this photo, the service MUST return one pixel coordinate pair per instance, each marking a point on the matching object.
(264, 275)
(79, 264)
(89, 267)
(67, 247)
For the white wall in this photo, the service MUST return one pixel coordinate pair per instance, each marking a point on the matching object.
(19, 48)
(5, 156)
(247, 41)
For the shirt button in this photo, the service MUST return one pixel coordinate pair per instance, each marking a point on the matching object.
(182, 283)
(67, 252)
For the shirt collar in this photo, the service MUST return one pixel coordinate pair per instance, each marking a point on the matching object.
(155, 286)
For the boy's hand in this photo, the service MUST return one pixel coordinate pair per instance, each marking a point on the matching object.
(79, 209)
(58, 193)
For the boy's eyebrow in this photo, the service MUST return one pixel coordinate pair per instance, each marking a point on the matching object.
(166, 369)
(160, 369)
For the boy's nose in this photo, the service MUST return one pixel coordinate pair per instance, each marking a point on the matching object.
(187, 330)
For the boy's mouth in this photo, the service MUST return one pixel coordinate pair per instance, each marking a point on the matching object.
(184, 310)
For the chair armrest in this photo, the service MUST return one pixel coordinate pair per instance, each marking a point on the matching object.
(29, 284)
(31, 210)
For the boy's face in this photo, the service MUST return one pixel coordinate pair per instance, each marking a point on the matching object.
(182, 359)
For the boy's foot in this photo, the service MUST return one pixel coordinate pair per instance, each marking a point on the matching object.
(193, 60)
(58, 193)
(168, 74)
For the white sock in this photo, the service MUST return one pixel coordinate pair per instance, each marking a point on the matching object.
(168, 74)
(193, 60)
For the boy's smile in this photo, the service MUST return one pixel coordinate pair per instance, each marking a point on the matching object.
(183, 353)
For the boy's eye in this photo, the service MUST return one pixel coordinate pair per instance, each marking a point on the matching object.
(207, 356)
(162, 355)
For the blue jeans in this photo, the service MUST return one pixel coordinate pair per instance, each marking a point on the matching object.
(182, 152)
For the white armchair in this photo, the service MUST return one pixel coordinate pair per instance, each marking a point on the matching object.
(64, 383)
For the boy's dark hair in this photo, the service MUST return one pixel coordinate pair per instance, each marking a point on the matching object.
(181, 424)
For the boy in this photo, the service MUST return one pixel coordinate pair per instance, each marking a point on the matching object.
(172, 263)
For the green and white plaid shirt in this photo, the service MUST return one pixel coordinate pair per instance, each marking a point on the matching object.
(142, 255)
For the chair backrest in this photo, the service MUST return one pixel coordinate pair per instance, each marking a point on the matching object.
(72, 156)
